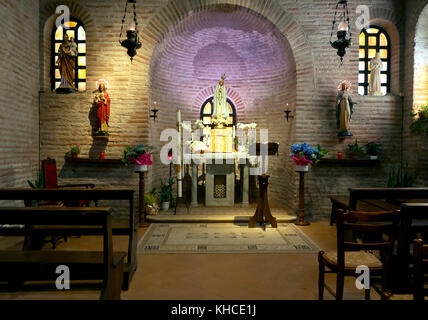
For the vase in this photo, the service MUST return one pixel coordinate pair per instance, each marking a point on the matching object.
(140, 168)
(165, 206)
(354, 155)
(373, 157)
(300, 168)
(74, 155)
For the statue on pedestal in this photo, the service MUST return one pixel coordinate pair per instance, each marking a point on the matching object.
(220, 112)
(376, 66)
(344, 109)
(102, 104)
(67, 54)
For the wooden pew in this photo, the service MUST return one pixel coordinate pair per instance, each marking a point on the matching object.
(17, 267)
(130, 229)
(375, 199)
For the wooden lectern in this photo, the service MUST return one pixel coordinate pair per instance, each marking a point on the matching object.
(263, 214)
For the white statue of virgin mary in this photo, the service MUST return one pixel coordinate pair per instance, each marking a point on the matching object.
(220, 111)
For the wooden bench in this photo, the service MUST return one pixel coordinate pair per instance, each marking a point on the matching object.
(17, 267)
(375, 199)
(129, 229)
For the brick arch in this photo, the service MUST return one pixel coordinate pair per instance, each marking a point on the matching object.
(176, 10)
(46, 23)
(420, 79)
(391, 22)
(206, 93)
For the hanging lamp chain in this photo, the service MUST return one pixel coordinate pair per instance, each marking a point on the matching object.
(334, 22)
(123, 22)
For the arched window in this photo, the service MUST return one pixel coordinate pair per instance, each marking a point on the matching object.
(75, 29)
(207, 112)
(372, 40)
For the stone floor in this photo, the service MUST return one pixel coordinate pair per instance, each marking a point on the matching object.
(212, 276)
(217, 214)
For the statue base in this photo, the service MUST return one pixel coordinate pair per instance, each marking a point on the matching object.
(101, 134)
(65, 90)
(345, 134)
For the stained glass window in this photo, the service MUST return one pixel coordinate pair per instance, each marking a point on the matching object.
(207, 112)
(74, 29)
(373, 40)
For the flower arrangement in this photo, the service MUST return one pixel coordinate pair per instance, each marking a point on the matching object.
(246, 126)
(373, 147)
(198, 124)
(303, 154)
(140, 155)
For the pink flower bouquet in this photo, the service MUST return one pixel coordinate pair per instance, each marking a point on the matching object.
(144, 159)
(301, 161)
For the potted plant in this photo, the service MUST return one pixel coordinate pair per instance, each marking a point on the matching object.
(354, 149)
(74, 150)
(150, 200)
(420, 124)
(165, 195)
(303, 155)
(139, 155)
(373, 148)
(423, 112)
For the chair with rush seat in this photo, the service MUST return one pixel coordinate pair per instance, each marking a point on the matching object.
(353, 253)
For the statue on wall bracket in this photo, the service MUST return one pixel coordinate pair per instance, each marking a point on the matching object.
(67, 54)
(376, 66)
(102, 105)
(344, 109)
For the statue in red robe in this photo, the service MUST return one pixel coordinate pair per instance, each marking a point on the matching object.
(102, 104)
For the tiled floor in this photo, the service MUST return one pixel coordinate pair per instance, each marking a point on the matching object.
(213, 276)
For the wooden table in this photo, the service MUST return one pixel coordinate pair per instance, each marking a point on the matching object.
(130, 230)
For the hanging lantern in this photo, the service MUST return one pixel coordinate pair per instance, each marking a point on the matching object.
(132, 43)
(342, 41)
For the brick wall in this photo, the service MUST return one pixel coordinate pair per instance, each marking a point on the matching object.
(274, 52)
(416, 29)
(19, 98)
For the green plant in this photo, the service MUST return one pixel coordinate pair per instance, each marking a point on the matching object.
(373, 147)
(399, 178)
(75, 148)
(150, 198)
(39, 183)
(320, 153)
(355, 147)
(165, 194)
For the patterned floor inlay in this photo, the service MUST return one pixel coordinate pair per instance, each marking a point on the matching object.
(224, 238)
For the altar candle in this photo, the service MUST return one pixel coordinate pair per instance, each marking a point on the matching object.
(339, 155)
(179, 164)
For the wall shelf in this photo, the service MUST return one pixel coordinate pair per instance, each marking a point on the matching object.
(92, 161)
(356, 162)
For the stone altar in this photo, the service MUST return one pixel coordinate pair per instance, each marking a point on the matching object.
(220, 170)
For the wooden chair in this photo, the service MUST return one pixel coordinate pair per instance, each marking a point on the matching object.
(51, 181)
(420, 269)
(353, 253)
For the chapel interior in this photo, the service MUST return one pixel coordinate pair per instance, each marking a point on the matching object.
(218, 149)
